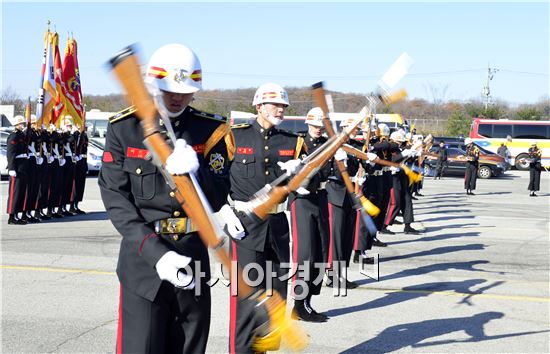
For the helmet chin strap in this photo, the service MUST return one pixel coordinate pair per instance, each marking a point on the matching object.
(270, 118)
(162, 107)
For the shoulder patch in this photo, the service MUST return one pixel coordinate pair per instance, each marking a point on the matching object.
(202, 114)
(242, 125)
(125, 113)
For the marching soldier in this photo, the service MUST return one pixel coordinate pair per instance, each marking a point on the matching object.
(16, 154)
(535, 168)
(441, 160)
(472, 156)
(309, 229)
(159, 311)
(341, 217)
(262, 154)
(81, 169)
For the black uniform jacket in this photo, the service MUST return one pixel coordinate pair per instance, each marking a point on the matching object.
(257, 151)
(16, 145)
(135, 193)
(336, 189)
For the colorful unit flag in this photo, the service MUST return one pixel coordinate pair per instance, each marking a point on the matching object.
(71, 81)
(47, 90)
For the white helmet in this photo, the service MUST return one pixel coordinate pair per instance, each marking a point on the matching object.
(315, 117)
(383, 129)
(345, 122)
(174, 68)
(408, 136)
(270, 93)
(533, 142)
(18, 120)
(397, 136)
(467, 141)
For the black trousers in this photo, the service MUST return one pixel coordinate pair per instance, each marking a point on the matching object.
(372, 189)
(56, 184)
(534, 177)
(400, 200)
(440, 168)
(470, 177)
(308, 225)
(33, 184)
(44, 184)
(68, 181)
(276, 252)
(341, 226)
(17, 187)
(177, 321)
(80, 180)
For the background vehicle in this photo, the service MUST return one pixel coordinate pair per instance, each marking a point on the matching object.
(516, 134)
(492, 166)
(95, 153)
(458, 142)
(97, 122)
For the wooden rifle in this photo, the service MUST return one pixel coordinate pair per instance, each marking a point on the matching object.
(126, 68)
(365, 206)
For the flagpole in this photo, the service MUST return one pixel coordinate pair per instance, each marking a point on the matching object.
(41, 91)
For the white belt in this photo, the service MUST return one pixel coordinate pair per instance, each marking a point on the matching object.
(322, 186)
(83, 156)
(21, 156)
(68, 154)
(386, 169)
(378, 173)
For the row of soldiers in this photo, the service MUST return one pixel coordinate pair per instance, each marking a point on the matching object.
(165, 309)
(47, 171)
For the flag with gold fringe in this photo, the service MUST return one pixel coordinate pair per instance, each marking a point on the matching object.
(59, 108)
(47, 90)
(71, 83)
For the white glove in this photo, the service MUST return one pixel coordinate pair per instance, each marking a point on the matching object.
(12, 173)
(394, 169)
(234, 226)
(290, 166)
(62, 161)
(340, 155)
(168, 268)
(39, 160)
(182, 160)
(302, 191)
(77, 158)
(50, 159)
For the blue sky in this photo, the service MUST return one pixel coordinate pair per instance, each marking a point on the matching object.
(348, 45)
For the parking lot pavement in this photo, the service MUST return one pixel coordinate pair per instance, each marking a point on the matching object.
(476, 280)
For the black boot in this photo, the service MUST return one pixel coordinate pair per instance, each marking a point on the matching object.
(12, 220)
(410, 230)
(376, 242)
(302, 311)
(386, 231)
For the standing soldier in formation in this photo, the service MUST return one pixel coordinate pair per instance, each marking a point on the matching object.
(68, 149)
(159, 311)
(472, 156)
(33, 168)
(81, 169)
(16, 154)
(535, 168)
(262, 154)
(341, 217)
(44, 150)
(309, 229)
(56, 173)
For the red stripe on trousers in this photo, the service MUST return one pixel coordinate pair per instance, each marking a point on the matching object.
(119, 331)
(25, 200)
(233, 305)
(391, 207)
(357, 223)
(12, 187)
(294, 244)
(330, 224)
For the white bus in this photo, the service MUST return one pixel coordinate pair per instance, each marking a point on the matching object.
(518, 135)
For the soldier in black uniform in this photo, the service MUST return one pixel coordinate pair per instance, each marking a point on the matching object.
(472, 156)
(309, 229)
(34, 162)
(44, 150)
(81, 169)
(341, 217)
(16, 154)
(159, 311)
(263, 153)
(535, 168)
(56, 173)
(69, 147)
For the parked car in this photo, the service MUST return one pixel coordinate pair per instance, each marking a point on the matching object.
(452, 142)
(3, 161)
(95, 153)
(489, 166)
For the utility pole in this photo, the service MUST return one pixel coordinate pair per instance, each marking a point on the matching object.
(486, 89)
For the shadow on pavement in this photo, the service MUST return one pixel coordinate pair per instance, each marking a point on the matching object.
(434, 238)
(439, 250)
(411, 334)
(90, 216)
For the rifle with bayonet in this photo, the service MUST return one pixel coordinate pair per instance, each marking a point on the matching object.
(188, 193)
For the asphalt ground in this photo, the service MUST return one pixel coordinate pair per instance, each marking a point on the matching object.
(475, 281)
